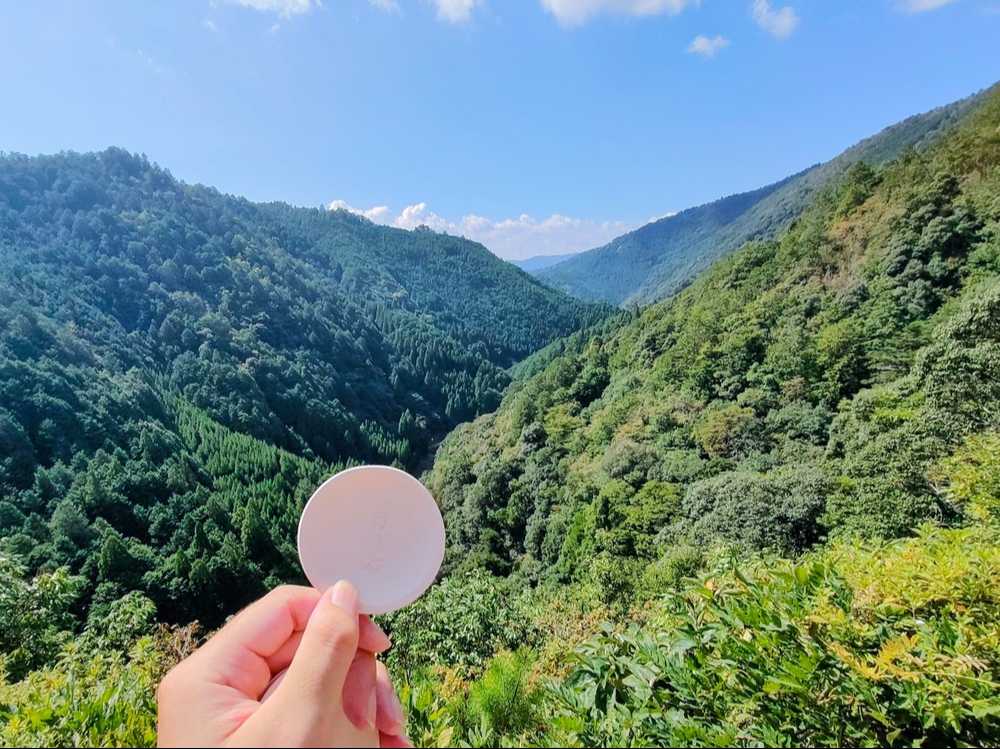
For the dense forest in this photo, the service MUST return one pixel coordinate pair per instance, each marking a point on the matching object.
(313, 330)
(810, 399)
(660, 258)
(179, 368)
(765, 511)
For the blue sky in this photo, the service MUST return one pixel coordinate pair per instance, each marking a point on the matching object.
(535, 126)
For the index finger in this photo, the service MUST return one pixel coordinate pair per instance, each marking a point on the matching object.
(370, 638)
(238, 654)
(261, 640)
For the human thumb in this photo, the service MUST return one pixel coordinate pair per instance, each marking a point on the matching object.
(324, 656)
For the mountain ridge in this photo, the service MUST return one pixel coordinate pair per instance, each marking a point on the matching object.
(539, 262)
(762, 373)
(659, 258)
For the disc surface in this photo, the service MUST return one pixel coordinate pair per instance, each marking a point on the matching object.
(377, 527)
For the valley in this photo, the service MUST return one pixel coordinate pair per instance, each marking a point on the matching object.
(758, 505)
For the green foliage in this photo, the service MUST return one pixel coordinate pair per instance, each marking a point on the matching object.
(800, 389)
(94, 698)
(778, 511)
(35, 616)
(310, 329)
(971, 476)
(180, 368)
(889, 646)
(117, 625)
(838, 383)
(95, 688)
(615, 579)
(503, 699)
(460, 622)
(653, 507)
(429, 716)
(679, 563)
(726, 431)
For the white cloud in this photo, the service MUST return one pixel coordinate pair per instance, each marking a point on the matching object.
(209, 24)
(389, 6)
(525, 236)
(921, 6)
(379, 213)
(284, 8)
(456, 11)
(668, 214)
(520, 237)
(576, 12)
(511, 238)
(707, 46)
(780, 23)
(419, 215)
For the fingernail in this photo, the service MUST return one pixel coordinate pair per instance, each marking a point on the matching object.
(372, 713)
(345, 596)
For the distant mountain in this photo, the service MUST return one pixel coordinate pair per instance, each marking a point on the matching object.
(179, 368)
(659, 258)
(541, 262)
(801, 387)
(317, 331)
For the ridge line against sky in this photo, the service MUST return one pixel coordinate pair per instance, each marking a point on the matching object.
(537, 127)
(524, 235)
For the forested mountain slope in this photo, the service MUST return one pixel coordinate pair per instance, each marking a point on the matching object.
(802, 387)
(311, 329)
(540, 262)
(178, 368)
(763, 512)
(657, 259)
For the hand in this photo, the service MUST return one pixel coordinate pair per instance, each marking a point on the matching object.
(333, 694)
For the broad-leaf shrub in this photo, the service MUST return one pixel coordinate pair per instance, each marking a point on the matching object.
(504, 699)
(35, 616)
(971, 476)
(461, 622)
(87, 698)
(892, 645)
(779, 510)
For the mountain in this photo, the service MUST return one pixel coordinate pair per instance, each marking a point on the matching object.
(763, 512)
(800, 388)
(723, 519)
(659, 258)
(310, 324)
(178, 365)
(540, 262)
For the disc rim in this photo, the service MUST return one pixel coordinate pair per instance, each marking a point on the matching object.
(421, 584)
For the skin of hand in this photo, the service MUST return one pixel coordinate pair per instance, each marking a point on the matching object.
(334, 692)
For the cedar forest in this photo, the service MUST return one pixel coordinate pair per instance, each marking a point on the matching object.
(763, 509)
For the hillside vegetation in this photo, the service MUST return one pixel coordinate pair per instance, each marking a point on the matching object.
(179, 369)
(701, 503)
(313, 330)
(764, 512)
(798, 389)
(539, 262)
(658, 259)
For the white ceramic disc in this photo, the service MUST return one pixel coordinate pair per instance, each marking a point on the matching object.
(377, 527)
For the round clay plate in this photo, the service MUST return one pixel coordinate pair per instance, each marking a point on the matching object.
(377, 527)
